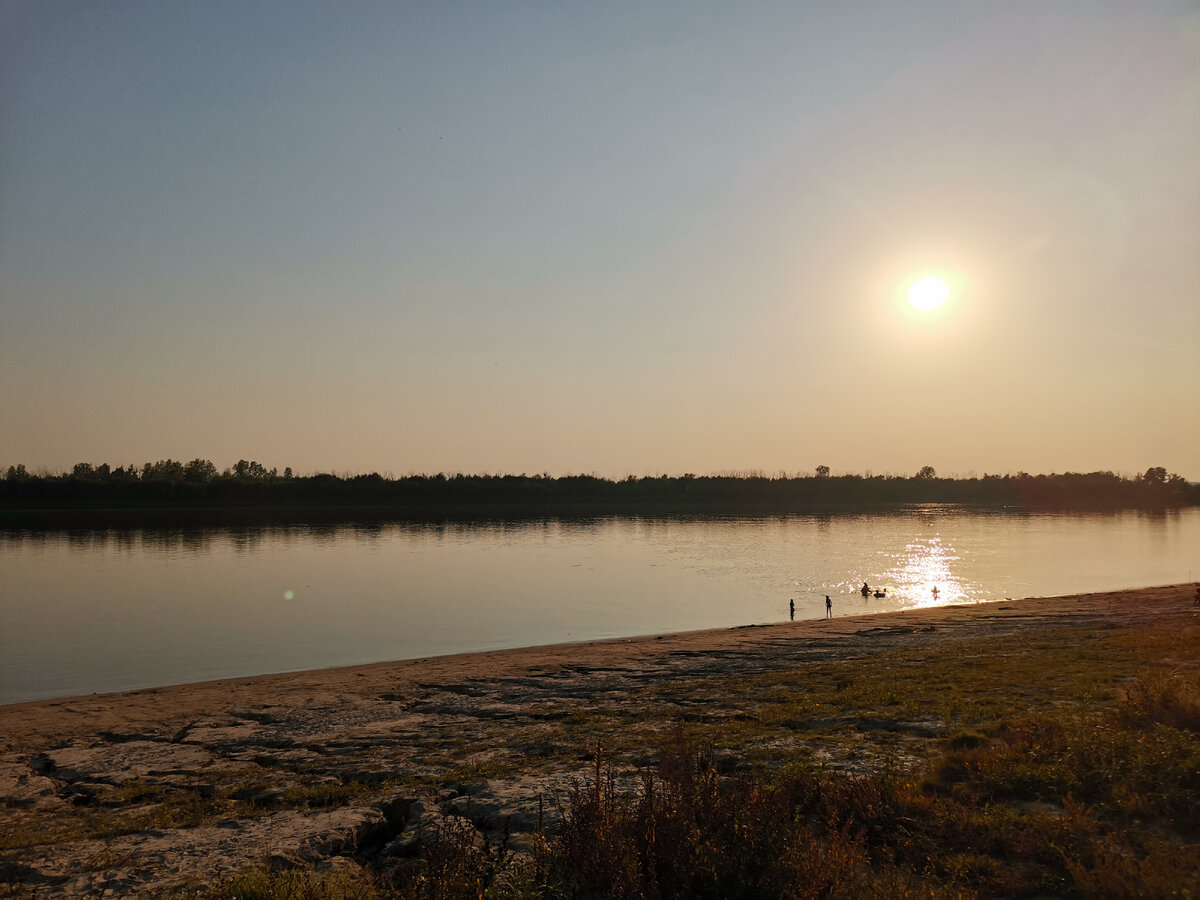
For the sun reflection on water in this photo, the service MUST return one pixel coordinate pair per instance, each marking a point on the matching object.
(923, 574)
(908, 578)
(926, 574)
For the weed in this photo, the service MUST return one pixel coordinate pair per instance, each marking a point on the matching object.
(1159, 698)
(323, 795)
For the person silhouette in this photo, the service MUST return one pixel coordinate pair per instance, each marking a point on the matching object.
(866, 591)
(828, 607)
(792, 609)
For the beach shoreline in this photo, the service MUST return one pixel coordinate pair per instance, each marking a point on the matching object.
(486, 735)
(70, 717)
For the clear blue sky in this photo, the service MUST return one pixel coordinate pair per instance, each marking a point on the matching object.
(620, 237)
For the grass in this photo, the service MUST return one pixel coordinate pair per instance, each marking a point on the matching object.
(142, 805)
(1100, 803)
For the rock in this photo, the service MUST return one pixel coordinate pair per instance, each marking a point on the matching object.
(400, 810)
(21, 788)
(156, 862)
(343, 829)
(341, 865)
(94, 793)
(118, 763)
(426, 823)
(280, 861)
(487, 813)
(467, 788)
(219, 736)
(13, 873)
(261, 796)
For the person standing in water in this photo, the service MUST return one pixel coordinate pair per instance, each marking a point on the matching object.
(792, 609)
(865, 590)
(828, 607)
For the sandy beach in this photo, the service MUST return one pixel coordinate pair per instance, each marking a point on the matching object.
(310, 767)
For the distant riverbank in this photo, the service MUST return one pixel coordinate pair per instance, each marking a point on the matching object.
(172, 494)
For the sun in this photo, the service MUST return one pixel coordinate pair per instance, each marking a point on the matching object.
(928, 294)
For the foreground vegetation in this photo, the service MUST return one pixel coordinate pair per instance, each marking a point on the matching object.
(1001, 750)
(170, 484)
(1066, 767)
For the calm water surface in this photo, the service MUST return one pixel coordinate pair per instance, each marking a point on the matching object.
(95, 611)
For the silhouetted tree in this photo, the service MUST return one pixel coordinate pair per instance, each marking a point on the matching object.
(163, 470)
(250, 470)
(171, 483)
(200, 471)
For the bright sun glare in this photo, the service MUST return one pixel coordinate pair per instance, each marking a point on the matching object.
(927, 294)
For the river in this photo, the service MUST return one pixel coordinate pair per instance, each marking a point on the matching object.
(96, 611)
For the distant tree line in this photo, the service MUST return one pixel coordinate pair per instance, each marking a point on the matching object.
(171, 483)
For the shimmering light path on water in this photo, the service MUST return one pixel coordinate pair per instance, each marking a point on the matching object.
(101, 611)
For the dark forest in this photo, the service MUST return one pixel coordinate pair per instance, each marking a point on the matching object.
(199, 485)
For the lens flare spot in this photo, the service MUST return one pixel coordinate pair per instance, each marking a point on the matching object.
(288, 595)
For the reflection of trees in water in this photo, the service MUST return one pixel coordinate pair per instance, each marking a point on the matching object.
(248, 538)
(368, 531)
(245, 539)
(121, 540)
(129, 540)
(126, 541)
(190, 540)
(87, 540)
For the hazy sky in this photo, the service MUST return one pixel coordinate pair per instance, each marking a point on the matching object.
(610, 237)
